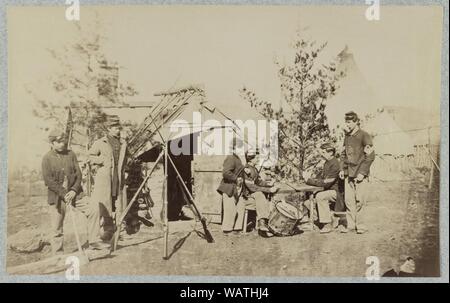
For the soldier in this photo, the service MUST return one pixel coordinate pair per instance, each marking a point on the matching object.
(108, 155)
(332, 192)
(62, 176)
(230, 190)
(356, 160)
(255, 191)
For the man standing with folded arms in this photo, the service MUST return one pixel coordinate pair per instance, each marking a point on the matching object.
(356, 160)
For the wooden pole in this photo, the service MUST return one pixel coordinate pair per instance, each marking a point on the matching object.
(88, 165)
(165, 205)
(430, 184)
(75, 230)
(127, 209)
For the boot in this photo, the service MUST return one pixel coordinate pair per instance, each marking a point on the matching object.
(262, 225)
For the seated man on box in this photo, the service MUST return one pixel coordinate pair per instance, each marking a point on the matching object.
(254, 193)
(332, 193)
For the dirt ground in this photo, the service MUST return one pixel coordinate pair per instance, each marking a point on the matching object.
(403, 218)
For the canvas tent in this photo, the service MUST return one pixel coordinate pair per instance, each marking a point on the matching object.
(182, 118)
(354, 92)
(388, 137)
(394, 148)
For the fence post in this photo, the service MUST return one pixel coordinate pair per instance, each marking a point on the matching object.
(430, 184)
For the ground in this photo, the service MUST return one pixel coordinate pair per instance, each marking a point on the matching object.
(403, 217)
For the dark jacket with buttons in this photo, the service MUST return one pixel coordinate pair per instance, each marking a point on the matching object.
(54, 167)
(330, 171)
(232, 168)
(354, 160)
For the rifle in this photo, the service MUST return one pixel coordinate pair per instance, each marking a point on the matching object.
(69, 132)
(88, 167)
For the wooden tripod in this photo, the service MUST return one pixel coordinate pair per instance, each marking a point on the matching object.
(167, 161)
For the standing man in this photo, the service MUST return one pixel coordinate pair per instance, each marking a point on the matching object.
(107, 154)
(62, 176)
(356, 160)
(230, 189)
(332, 193)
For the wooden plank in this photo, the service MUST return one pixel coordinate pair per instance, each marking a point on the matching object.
(298, 187)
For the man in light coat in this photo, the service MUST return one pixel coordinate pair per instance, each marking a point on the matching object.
(108, 156)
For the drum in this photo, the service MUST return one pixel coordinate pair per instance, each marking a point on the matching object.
(283, 219)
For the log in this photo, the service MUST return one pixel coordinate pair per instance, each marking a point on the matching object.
(56, 263)
(195, 87)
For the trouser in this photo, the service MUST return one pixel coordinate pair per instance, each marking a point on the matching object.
(261, 204)
(58, 212)
(233, 213)
(323, 200)
(355, 200)
(107, 226)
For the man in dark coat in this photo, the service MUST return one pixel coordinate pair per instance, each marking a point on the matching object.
(332, 193)
(356, 160)
(62, 176)
(230, 189)
(254, 193)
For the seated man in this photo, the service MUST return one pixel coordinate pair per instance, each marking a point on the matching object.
(253, 193)
(329, 180)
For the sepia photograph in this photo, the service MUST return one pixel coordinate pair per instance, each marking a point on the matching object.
(225, 141)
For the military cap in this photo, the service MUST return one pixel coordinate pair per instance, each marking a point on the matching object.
(56, 134)
(351, 116)
(112, 120)
(328, 147)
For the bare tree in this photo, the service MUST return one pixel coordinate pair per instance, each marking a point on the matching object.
(86, 82)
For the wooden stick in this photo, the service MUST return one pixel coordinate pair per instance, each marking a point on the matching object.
(75, 229)
(198, 87)
(88, 166)
(125, 212)
(165, 207)
(209, 238)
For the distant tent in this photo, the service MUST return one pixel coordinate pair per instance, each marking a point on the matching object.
(393, 146)
(353, 94)
(388, 137)
(422, 125)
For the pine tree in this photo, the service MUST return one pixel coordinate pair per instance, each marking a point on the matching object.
(306, 84)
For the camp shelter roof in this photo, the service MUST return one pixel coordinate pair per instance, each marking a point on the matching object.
(184, 112)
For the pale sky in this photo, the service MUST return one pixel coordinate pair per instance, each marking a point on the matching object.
(223, 47)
